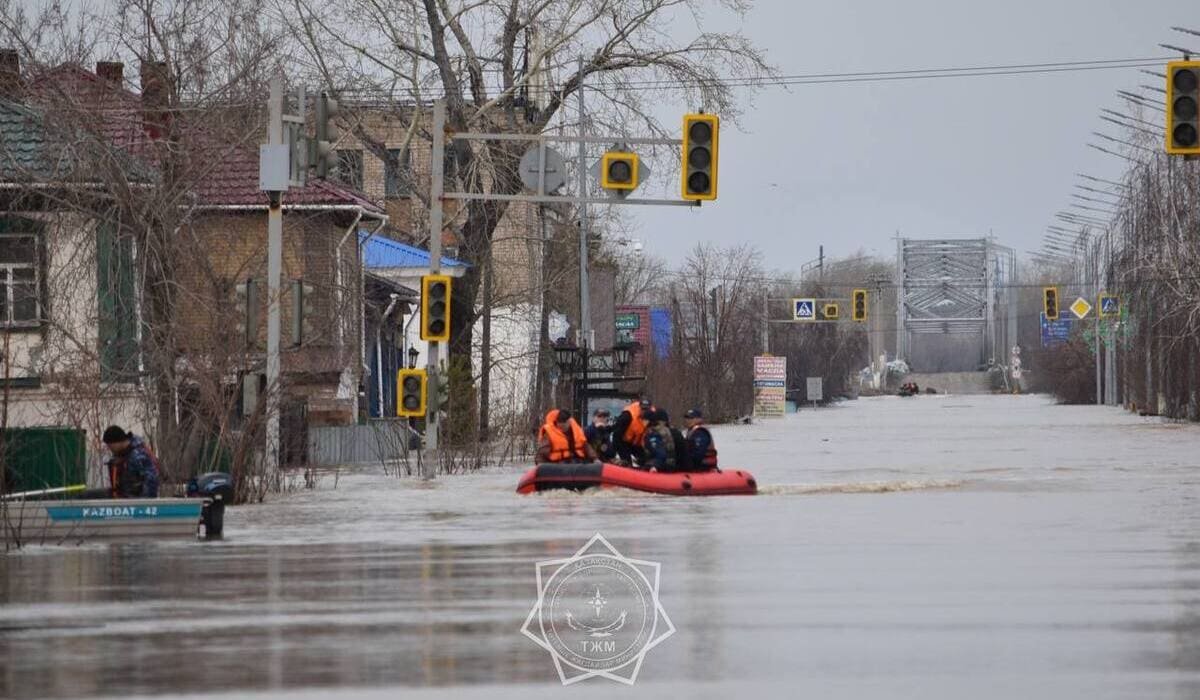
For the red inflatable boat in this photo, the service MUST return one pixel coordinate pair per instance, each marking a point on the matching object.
(576, 477)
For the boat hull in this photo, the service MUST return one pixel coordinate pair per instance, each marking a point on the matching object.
(577, 477)
(50, 522)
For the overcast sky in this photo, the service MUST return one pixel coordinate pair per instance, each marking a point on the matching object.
(848, 166)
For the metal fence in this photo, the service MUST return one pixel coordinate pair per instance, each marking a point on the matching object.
(377, 442)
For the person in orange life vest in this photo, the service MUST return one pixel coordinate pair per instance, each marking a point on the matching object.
(629, 432)
(561, 439)
(701, 448)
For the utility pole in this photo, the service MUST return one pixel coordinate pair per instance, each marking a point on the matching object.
(437, 170)
(766, 323)
(274, 271)
(585, 309)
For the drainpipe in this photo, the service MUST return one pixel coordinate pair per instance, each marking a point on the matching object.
(362, 300)
(379, 347)
(341, 291)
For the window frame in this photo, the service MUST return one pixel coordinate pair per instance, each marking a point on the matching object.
(8, 285)
(394, 186)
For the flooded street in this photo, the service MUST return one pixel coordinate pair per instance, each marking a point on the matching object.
(935, 547)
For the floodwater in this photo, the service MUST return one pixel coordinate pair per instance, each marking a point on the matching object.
(934, 547)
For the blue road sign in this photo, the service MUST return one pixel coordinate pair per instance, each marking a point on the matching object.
(1055, 332)
(1109, 306)
(804, 309)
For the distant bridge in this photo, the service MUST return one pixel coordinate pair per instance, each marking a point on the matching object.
(961, 287)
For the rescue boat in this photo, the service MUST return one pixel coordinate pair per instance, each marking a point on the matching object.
(577, 477)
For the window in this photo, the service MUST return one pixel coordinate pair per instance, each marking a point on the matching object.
(397, 173)
(117, 296)
(350, 168)
(20, 281)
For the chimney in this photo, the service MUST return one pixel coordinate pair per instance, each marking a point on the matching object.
(10, 74)
(154, 98)
(112, 73)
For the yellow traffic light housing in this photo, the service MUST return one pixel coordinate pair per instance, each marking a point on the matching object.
(1183, 108)
(831, 311)
(435, 308)
(700, 145)
(1050, 303)
(858, 306)
(411, 393)
(619, 171)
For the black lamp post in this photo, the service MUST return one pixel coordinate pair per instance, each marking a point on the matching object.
(623, 354)
(412, 357)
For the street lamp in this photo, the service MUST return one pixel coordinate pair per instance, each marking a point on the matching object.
(623, 354)
(412, 357)
(566, 355)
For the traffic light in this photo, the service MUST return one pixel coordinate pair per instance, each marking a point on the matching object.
(411, 400)
(831, 312)
(435, 308)
(324, 157)
(858, 310)
(1050, 303)
(619, 171)
(700, 135)
(1183, 104)
(303, 312)
(247, 310)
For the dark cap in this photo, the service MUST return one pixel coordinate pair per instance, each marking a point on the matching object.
(694, 413)
(563, 416)
(661, 415)
(603, 412)
(645, 404)
(114, 434)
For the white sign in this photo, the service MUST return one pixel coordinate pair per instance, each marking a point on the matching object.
(804, 309)
(816, 391)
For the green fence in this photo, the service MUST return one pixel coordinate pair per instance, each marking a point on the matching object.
(43, 458)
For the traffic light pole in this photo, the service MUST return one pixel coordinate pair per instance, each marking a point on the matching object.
(437, 169)
(585, 310)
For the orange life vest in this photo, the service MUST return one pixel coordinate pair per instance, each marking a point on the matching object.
(636, 431)
(562, 449)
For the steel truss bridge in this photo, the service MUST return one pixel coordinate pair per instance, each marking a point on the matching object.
(957, 286)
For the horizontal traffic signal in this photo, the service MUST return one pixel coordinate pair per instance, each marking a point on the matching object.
(435, 308)
(700, 143)
(1183, 107)
(411, 396)
(619, 171)
(831, 311)
(1050, 303)
(858, 305)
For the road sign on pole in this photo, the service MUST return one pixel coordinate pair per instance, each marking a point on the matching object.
(815, 389)
(1081, 308)
(804, 309)
(1110, 306)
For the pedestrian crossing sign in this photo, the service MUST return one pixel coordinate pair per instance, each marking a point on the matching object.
(804, 309)
(1110, 306)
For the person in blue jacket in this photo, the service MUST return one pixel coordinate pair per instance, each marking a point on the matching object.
(132, 469)
(702, 451)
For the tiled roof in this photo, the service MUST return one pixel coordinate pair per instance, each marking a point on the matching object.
(380, 252)
(226, 173)
(22, 144)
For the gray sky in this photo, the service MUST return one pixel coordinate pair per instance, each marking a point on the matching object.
(848, 165)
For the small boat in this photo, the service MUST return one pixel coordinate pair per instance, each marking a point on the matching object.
(74, 514)
(577, 477)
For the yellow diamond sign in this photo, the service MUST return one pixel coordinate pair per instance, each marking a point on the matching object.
(1081, 308)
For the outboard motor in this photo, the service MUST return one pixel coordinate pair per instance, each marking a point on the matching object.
(217, 488)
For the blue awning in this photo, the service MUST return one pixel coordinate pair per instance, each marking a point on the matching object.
(380, 252)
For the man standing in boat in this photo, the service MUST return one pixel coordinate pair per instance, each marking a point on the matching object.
(629, 432)
(132, 469)
(701, 448)
(560, 439)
